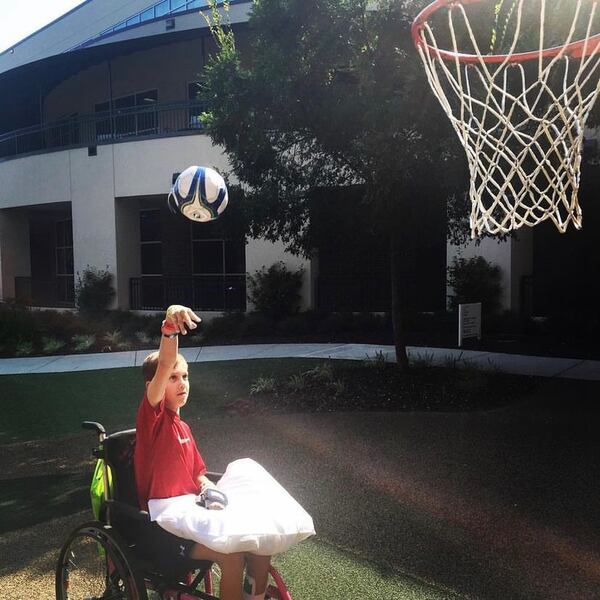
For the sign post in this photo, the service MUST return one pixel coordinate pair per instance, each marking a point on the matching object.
(469, 321)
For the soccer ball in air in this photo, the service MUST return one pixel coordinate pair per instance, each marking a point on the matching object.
(199, 193)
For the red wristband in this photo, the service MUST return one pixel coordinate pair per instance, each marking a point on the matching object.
(169, 329)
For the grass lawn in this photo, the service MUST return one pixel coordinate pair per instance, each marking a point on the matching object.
(44, 406)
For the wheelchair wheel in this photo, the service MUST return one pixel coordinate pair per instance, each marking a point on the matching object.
(94, 565)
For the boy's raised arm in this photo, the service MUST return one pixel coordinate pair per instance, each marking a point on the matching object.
(177, 320)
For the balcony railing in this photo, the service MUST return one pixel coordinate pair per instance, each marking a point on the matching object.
(104, 128)
(201, 292)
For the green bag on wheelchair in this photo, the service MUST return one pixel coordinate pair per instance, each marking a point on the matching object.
(97, 487)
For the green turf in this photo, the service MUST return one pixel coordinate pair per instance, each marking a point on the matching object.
(27, 501)
(315, 570)
(48, 405)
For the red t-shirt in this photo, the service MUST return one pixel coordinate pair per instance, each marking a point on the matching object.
(166, 460)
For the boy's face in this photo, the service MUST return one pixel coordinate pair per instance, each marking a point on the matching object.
(178, 387)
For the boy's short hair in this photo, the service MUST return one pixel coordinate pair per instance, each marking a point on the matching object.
(150, 365)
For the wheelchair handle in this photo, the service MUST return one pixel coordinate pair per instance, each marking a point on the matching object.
(97, 427)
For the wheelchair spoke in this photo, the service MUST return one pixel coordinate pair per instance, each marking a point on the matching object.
(89, 571)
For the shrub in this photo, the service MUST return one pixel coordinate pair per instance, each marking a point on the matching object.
(334, 323)
(300, 324)
(475, 280)
(263, 385)
(50, 345)
(142, 337)
(115, 340)
(224, 327)
(275, 291)
(322, 372)
(297, 383)
(16, 323)
(255, 324)
(81, 343)
(94, 291)
(23, 348)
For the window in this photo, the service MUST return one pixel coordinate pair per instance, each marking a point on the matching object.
(103, 127)
(151, 242)
(177, 5)
(195, 108)
(147, 15)
(64, 261)
(132, 115)
(162, 8)
(219, 267)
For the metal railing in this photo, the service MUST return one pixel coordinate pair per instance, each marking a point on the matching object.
(105, 127)
(201, 292)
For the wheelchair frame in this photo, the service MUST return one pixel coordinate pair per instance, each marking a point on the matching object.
(128, 576)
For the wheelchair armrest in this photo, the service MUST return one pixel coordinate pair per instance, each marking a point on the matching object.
(127, 510)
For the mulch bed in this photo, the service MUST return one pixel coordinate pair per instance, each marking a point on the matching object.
(384, 387)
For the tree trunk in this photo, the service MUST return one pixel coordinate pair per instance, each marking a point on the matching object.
(397, 304)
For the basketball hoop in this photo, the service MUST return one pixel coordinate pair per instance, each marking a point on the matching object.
(520, 115)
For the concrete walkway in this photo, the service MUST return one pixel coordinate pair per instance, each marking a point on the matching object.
(570, 368)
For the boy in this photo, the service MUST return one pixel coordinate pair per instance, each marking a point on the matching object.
(167, 462)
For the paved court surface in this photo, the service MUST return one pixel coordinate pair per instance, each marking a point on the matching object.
(571, 368)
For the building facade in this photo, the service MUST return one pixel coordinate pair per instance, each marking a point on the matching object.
(99, 113)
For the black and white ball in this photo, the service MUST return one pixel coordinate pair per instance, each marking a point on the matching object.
(199, 193)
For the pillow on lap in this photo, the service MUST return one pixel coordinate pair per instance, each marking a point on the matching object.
(261, 516)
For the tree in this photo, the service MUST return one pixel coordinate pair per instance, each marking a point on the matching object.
(332, 93)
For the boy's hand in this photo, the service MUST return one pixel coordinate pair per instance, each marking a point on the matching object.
(182, 317)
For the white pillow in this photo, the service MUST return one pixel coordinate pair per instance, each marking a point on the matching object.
(261, 516)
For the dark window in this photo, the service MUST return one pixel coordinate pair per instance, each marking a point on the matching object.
(103, 127)
(195, 108)
(124, 115)
(150, 226)
(208, 257)
(64, 261)
(152, 259)
(151, 242)
(146, 117)
(133, 115)
(235, 256)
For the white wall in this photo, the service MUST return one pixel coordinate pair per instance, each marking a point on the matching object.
(146, 167)
(123, 172)
(93, 209)
(14, 250)
(39, 179)
(127, 217)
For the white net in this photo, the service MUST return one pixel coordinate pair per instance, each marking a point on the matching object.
(520, 115)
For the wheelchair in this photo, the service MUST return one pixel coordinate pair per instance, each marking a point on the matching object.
(108, 559)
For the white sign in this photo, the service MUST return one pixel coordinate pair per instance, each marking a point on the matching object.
(469, 321)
